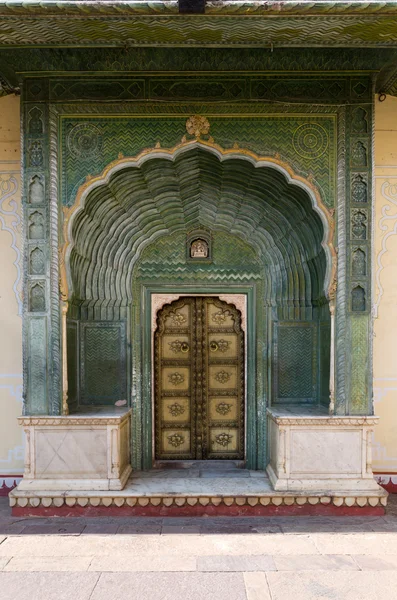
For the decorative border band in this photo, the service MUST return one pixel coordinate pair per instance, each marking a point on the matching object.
(180, 501)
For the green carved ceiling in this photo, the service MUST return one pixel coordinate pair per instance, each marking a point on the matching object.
(197, 190)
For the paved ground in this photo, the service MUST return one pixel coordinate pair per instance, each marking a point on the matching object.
(291, 558)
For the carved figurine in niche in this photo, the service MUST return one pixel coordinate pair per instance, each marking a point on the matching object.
(36, 226)
(359, 266)
(359, 155)
(35, 122)
(36, 155)
(199, 249)
(37, 298)
(359, 189)
(359, 227)
(36, 191)
(359, 121)
(37, 263)
(358, 299)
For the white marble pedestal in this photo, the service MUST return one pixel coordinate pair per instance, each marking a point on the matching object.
(77, 452)
(322, 453)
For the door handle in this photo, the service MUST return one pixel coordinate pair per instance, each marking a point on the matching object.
(214, 346)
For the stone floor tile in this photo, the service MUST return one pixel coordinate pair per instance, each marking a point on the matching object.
(354, 543)
(235, 563)
(238, 474)
(370, 562)
(3, 561)
(172, 529)
(142, 563)
(101, 528)
(48, 563)
(324, 525)
(170, 586)
(256, 586)
(385, 524)
(258, 474)
(136, 528)
(144, 545)
(13, 528)
(52, 528)
(325, 585)
(47, 586)
(316, 562)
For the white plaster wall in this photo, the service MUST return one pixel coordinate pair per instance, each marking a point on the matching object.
(11, 436)
(385, 274)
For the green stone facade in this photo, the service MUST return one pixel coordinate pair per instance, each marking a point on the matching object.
(129, 239)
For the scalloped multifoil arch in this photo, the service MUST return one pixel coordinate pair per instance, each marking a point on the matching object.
(160, 191)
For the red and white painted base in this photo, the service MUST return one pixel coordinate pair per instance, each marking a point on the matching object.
(8, 483)
(123, 504)
(388, 481)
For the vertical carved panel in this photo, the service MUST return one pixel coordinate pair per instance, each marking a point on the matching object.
(358, 299)
(359, 386)
(359, 264)
(296, 362)
(359, 190)
(73, 364)
(38, 228)
(103, 363)
(359, 225)
(36, 190)
(37, 302)
(360, 120)
(37, 262)
(37, 365)
(359, 156)
(35, 121)
(358, 285)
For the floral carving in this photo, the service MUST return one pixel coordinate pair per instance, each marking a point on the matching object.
(176, 378)
(178, 318)
(197, 126)
(223, 376)
(221, 345)
(219, 317)
(223, 408)
(359, 227)
(176, 409)
(223, 439)
(359, 189)
(36, 155)
(176, 439)
(177, 346)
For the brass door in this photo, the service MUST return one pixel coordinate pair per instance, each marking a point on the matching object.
(199, 380)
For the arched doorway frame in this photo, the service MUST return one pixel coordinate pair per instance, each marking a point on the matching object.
(122, 163)
(256, 452)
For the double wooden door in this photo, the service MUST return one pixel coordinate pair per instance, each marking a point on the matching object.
(199, 380)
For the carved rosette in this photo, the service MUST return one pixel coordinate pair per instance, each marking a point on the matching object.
(197, 126)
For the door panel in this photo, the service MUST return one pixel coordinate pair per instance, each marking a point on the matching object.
(199, 380)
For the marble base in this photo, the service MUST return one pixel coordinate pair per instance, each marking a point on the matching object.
(77, 452)
(191, 492)
(321, 453)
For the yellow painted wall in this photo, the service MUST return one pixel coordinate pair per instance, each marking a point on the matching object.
(11, 437)
(385, 273)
